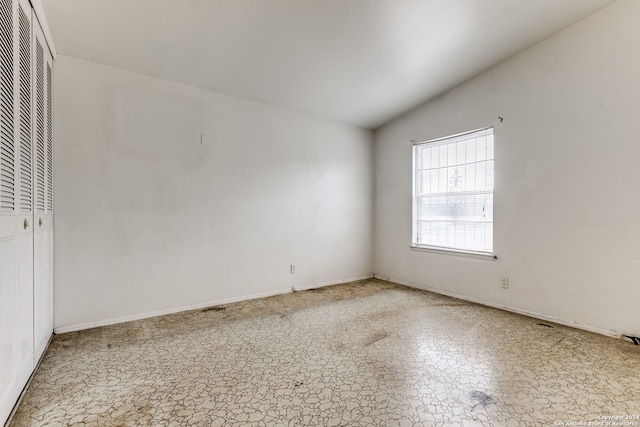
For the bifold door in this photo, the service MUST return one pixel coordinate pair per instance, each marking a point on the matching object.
(26, 198)
(43, 200)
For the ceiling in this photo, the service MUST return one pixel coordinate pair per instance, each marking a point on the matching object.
(361, 62)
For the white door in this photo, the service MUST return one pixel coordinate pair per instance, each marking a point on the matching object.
(8, 212)
(16, 201)
(25, 192)
(43, 196)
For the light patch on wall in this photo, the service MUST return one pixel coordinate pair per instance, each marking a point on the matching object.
(153, 138)
(140, 121)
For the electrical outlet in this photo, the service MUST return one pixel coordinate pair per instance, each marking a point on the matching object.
(292, 269)
(504, 282)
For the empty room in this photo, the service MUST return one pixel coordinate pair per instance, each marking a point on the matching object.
(319, 213)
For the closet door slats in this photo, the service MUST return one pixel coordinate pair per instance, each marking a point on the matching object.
(25, 184)
(40, 173)
(49, 142)
(7, 147)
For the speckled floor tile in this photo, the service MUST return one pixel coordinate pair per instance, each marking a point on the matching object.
(364, 353)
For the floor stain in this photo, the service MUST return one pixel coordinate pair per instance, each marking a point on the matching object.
(480, 399)
(216, 308)
(448, 305)
(378, 336)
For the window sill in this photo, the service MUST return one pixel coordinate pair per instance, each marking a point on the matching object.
(457, 252)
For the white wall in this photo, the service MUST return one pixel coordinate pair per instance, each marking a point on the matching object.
(148, 220)
(567, 196)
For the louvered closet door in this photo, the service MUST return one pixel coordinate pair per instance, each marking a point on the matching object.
(8, 211)
(16, 203)
(25, 187)
(43, 194)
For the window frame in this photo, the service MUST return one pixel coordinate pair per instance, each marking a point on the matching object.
(414, 198)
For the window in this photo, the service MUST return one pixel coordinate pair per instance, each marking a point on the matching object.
(453, 192)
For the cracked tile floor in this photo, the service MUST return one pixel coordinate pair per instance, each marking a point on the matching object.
(363, 353)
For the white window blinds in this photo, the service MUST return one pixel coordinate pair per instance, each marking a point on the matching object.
(453, 192)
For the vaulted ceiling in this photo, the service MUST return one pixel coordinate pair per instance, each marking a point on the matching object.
(361, 62)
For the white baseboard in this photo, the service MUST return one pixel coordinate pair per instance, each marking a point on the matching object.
(90, 325)
(572, 324)
(113, 321)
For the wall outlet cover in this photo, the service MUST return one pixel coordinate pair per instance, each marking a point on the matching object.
(504, 282)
